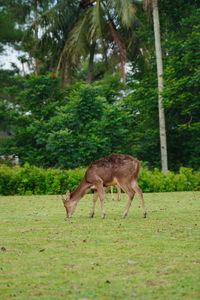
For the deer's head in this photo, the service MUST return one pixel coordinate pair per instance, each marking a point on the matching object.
(69, 204)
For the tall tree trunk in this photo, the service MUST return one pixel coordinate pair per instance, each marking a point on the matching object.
(66, 72)
(36, 66)
(23, 69)
(36, 60)
(91, 63)
(121, 48)
(163, 139)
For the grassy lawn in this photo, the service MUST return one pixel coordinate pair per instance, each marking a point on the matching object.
(42, 256)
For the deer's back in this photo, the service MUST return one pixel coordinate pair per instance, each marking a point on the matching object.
(113, 166)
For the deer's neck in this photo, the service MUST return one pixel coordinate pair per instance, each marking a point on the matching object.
(80, 191)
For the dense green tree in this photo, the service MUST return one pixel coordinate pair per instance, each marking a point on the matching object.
(65, 129)
(82, 130)
(50, 126)
(25, 105)
(9, 33)
(141, 104)
(182, 92)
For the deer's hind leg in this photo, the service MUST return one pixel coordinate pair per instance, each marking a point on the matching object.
(112, 192)
(119, 194)
(130, 192)
(138, 190)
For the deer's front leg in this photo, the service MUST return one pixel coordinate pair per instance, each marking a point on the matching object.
(101, 194)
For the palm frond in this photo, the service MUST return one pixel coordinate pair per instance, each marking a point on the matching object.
(96, 25)
(125, 9)
(77, 43)
(76, 46)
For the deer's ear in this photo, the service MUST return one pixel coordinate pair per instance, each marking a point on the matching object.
(68, 195)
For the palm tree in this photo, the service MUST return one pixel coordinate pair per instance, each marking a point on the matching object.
(70, 29)
(163, 140)
(50, 23)
(102, 23)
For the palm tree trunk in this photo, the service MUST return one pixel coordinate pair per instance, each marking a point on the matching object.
(91, 64)
(36, 60)
(66, 75)
(163, 139)
(121, 48)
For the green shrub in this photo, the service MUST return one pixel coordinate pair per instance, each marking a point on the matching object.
(156, 181)
(31, 180)
(28, 180)
(9, 180)
(75, 177)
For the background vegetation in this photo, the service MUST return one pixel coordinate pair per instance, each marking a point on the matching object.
(77, 103)
(28, 180)
(86, 87)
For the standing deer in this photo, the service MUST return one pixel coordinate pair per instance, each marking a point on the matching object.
(115, 169)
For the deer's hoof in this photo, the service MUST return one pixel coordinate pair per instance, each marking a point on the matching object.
(145, 214)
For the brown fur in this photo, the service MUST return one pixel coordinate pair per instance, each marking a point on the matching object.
(115, 169)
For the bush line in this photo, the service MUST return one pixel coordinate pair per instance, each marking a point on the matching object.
(31, 180)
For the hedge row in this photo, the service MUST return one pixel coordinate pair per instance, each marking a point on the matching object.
(28, 180)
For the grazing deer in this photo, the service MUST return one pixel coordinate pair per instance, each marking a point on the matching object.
(115, 169)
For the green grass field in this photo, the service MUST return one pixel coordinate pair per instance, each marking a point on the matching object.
(42, 256)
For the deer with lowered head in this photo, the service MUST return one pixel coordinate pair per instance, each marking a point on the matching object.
(115, 169)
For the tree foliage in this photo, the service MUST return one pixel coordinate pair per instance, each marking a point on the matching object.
(67, 127)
